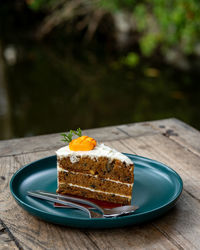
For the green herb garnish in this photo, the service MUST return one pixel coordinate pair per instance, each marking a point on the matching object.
(78, 132)
(68, 137)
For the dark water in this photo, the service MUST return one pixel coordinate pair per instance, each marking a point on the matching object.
(57, 85)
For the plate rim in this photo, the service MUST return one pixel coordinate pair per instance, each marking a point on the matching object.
(171, 201)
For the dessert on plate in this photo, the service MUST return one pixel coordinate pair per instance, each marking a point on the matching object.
(91, 170)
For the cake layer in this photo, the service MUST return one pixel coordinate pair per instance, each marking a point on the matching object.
(65, 188)
(94, 182)
(101, 166)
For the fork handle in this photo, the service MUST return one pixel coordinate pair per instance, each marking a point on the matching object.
(69, 198)
(63, 202)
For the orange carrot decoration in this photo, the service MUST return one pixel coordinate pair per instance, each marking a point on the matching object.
(83, 143)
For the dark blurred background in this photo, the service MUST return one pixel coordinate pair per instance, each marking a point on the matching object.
(80, 63)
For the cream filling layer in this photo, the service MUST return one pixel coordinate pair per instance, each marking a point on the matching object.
(97, 191)
(107, 179)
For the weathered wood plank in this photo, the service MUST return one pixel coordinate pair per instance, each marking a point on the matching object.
(5, 240)
(134, 146)
(29, 232)
(181, 224)
(53, 141)
(30, 157)
(180, 132)
(30, 144)
(138, 129)
(6, 171)
(120, 146)
(6, 243)
(178, 229)
(105, 133)
(135, 237)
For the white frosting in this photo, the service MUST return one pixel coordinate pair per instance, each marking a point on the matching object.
(107, 179)
(100, 150)
(98, 191)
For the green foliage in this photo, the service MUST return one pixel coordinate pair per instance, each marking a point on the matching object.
(131, 60)
(161, 23)
(178, 23)
(68, 137)
(168, 24)
(40, 4)
(108, 5)
(116, 5)
(148, 43)
(140, 12)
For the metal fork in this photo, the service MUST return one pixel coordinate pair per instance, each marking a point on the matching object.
(69, 201)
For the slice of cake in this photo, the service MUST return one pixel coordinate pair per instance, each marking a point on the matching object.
(94, 171)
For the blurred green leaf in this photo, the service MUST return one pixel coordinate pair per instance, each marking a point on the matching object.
(131, 60)
(140, 13)
(40, 4)
(148, 44)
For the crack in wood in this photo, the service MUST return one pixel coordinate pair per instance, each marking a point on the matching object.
(175, 243)
(17, 160)
(91, 240)
(186, 148)
(121, 130)
(11, 236)
(25, 153)
(2, 230)
(194, 197)
(125, 145)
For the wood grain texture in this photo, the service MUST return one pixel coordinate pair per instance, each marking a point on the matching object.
(31, 232)
(8, 166)
(53, 141)
(173, 128)
(28, 231)
(169, 141)
(6, 242)
(30, 144)
(181, 224)
(180, 132)
(137, 237)
(138, 129)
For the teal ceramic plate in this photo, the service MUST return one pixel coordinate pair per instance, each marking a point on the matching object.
(156, 189)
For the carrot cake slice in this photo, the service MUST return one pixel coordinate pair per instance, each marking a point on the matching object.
(96, 171)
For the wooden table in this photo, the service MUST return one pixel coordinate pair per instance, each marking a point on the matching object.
(169, 141)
